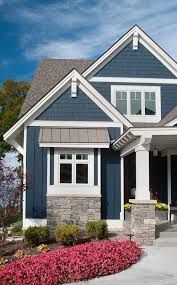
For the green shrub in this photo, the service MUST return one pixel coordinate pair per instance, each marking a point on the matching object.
(67, 234)
(97, 230)
(17, 228)
(37, 235)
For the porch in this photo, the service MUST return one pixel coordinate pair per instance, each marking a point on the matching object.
(149, 175)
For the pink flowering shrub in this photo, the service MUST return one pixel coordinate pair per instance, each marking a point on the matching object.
(69, 264)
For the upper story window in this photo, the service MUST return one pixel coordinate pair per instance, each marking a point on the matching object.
(137, 103)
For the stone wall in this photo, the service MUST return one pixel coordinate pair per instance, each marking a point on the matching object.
(143, 221)
(72, 209)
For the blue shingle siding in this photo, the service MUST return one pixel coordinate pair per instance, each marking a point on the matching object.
(135, 63)
(67, 108)
(168, 93)
(110, 184)
(36, 168)
(114, 133)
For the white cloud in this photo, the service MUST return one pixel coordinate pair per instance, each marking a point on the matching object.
(83, 29)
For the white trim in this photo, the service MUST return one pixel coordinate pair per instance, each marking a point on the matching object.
(122, 188)
(145, 40)
(73, 190)
(74, 195)
(24, 174)
(48, 167)
(169, 177)
(135, 41)
(57, 91)
(74, 87)
(34, 222)
(75, 124)
(75, 145)
(143, 117)
(114, 224)
(172, 123)
(99, 167)
(134, 80)
(16, 146)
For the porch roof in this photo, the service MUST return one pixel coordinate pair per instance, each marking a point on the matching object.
(164, 138)
(74, 136)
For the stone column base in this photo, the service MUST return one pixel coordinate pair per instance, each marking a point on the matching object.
(143, 221)
(72, 209)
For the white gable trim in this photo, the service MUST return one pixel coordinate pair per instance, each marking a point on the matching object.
(171, 123)
(158, 52)
(93, 94)
(133, 80)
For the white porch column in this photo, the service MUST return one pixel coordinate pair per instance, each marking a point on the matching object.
(142, 172)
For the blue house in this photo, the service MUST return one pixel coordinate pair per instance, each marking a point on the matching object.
(96, 134)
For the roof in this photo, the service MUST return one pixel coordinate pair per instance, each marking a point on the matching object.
(169, 117)
(73, 135)
(49, 73)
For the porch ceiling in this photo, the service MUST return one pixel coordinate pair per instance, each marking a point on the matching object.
(164, 142)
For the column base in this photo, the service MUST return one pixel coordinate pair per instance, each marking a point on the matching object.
(143, 221)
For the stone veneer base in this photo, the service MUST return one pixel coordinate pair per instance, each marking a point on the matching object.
(72, 210)
(143, 221)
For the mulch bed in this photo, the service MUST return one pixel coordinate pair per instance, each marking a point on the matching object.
(8, 249)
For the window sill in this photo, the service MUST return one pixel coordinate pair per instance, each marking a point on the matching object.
(73, 190)
(144, 119)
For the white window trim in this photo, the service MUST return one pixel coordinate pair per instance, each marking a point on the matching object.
(70, 188)
(131, 88)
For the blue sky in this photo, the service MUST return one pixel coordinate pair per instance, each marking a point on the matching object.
(32, 30)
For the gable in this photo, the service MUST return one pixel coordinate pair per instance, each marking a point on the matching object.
(67, 108)
(135, 63)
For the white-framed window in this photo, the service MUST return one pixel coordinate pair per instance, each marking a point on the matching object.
(137, 103)
(74, 167)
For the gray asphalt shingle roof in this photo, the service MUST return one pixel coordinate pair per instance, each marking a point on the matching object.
(49, 73)
(52, 71)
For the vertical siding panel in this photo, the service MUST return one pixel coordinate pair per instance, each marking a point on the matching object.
(51, 166)
(37, 176)
(110, 184)
(95, 166)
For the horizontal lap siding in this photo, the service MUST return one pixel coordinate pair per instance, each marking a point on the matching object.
(67, 108)
(135, 63)
(168, 93)
(36, 168)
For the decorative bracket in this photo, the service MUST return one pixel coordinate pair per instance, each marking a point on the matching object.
(74, 87)
(135, 41)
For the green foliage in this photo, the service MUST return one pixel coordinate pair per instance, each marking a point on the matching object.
(97, 230)
(17, 228)
(161, 206)
(12, 95)
(37, 235)
(127, 207)
(67, 234)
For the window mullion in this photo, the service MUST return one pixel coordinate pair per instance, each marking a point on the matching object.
(128, 103)
(143, 103)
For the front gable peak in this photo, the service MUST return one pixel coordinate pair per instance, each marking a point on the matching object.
(136, 38)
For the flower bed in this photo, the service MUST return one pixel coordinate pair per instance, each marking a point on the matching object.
(69, 264)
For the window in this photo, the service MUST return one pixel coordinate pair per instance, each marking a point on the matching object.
(136, 102)
(150, 103)
(121, 101)
(73, 168)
